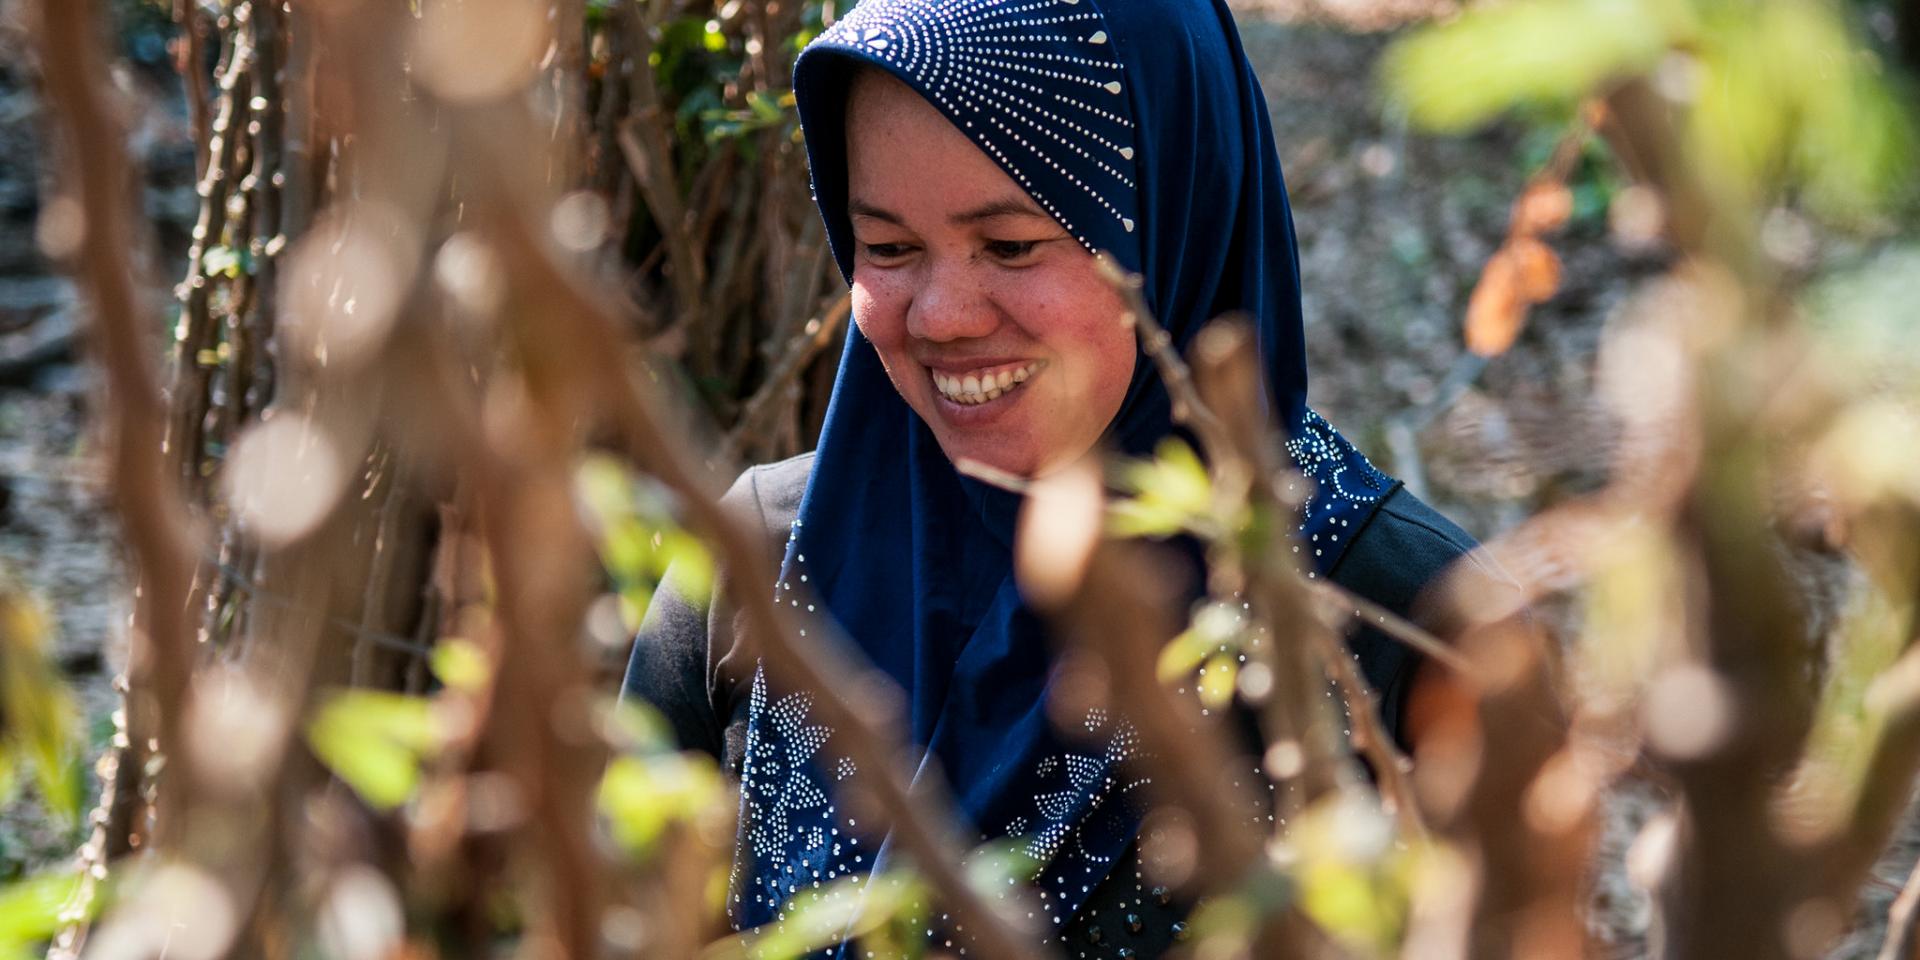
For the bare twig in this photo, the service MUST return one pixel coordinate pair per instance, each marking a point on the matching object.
(1903, 922)
(1154, 339)
(592, 352)
(144, 490)
(1112, 603)
(1231, 378)
(801, 350)
(1344, 603)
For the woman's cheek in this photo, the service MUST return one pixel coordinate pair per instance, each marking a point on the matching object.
(876, 312)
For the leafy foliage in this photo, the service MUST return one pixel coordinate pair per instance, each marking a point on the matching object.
(1782, 95)
(38, 718)
(32, 911)
(640, 544)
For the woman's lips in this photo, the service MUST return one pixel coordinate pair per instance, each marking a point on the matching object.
(969, 388)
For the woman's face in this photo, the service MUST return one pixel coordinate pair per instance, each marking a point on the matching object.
(990, 319)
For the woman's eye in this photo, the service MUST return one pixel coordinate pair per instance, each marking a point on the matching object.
(1011, 249)
(887, 251)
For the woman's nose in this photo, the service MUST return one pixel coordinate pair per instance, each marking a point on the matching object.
(951, 304)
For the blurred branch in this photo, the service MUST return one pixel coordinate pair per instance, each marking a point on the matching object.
(1113, 606)
(1903, 922)
(1343, 603)
(1188, 410)
(144, 490)
(588, 333)
(1231, 379)
(1885, 790)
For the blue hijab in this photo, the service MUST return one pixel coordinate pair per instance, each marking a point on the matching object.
(1140, 127)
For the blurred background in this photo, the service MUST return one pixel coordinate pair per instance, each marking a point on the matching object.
(691, 208)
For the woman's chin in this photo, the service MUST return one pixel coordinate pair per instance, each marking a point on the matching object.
(1001, 451)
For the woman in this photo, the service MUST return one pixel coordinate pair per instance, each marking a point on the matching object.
(968, 157)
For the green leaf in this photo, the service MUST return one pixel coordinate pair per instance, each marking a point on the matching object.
(1351, 876)
(1182, 655)
(1462, 73)
(39, 729)
(637, 727)
(641, 546)
(30, 910)
(374, 741)
(461, 665)
(1217, 680)
(845, 909)
(1173, 494)
(642, 796)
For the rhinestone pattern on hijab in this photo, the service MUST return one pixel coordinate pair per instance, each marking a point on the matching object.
(1035, 84)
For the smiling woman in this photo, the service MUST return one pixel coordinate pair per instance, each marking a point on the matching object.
(989, 318)
(969, 157)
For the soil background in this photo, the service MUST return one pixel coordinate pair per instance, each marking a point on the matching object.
(1394, 228)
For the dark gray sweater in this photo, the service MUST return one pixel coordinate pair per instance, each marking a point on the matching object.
(687, 663)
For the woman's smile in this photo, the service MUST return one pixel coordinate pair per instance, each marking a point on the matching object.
(980, 385)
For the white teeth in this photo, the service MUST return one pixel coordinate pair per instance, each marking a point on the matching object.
(978, 388)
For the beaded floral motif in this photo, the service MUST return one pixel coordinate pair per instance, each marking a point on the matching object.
(1077, 787)
(787, 820)
(1035, 83)
(1341, 481)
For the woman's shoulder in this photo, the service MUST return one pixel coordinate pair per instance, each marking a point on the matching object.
(1400, 550)
(770, 493)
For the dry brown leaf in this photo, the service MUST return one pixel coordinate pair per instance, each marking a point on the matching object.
(1496, 310)
(1543, 207)
(1537, 268)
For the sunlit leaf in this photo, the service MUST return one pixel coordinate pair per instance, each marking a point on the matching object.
(635, 725)
(847, 908)
(1182, 655)
(461, 665)
(1172, 494)
(31, 911)
(374, 742)
(1217, 680)
(1464, 72)
(39, 731)
(641, 545)
(641, 796)
(1353, 879)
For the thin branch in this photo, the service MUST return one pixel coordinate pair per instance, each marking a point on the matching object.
(1344, 603)
(145, 491)
(1154, 339)
(589, 332)
(1903, 922)
(814, 337)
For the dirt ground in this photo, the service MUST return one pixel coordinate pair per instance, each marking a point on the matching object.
(1394, 228)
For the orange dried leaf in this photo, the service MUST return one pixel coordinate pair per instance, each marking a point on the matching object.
(1495, 312)
(1537, 267)
(1543, 207)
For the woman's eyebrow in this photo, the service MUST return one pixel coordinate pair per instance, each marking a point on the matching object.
(1005, 207)
(997, 208)
(860, 208)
